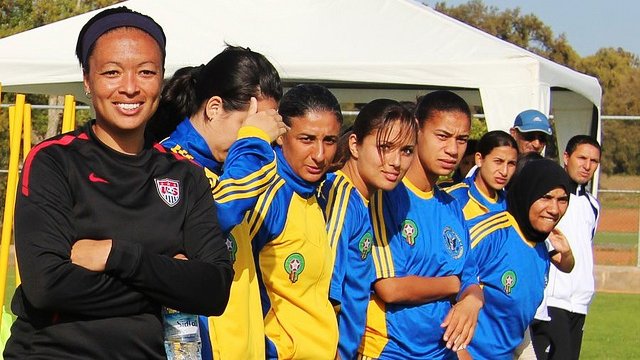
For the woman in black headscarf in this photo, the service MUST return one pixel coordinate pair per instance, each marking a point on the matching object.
(512, 257)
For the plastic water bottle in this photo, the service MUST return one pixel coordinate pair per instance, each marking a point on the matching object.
(181, 335)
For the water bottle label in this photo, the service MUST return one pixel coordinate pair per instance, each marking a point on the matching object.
(180, 325)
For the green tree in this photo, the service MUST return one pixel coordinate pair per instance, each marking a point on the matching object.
(21, 15)
(524, 30)
(617, 70)
(619, 74)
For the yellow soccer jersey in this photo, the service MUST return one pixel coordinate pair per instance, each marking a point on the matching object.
(295, 265)
(238, 334)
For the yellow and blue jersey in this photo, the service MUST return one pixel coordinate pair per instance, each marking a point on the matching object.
(513, 274)
(249, 169)
(423, 234)
(235, 184)
(351, 240)
(473, 202)
(295, 265)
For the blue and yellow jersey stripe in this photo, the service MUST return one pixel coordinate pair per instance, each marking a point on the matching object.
(482, 229)
(336, 209)
(382, 258)
(351, 240)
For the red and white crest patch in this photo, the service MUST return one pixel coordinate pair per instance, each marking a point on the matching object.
(169, 191)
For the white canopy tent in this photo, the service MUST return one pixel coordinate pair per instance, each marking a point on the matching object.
(361, 49)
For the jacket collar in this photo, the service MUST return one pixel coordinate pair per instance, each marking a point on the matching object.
(302, 187)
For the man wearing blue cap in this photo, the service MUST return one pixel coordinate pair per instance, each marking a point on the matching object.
(531, 130)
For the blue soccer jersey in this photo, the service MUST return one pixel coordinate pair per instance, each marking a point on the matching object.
(475, 203)
(423, 234)
(351, 240)
(512, 274)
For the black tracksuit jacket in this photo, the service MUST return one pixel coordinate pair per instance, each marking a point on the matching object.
(153, 206)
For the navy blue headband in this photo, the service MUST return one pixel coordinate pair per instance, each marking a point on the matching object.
(127, 19)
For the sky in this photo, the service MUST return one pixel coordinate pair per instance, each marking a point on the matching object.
(587, 24)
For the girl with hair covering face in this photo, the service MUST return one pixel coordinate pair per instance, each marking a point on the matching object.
(104, 216)
(513, 260)
(222, 116)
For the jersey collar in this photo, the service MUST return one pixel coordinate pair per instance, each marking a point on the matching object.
(190, 140)
(302, 187)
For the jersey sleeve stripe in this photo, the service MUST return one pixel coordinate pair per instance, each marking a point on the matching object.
(479, 227)
(339, 212)
(332, 193)
(255, 222)
(26, 169)
(241, 195)
(496, 223)
(255, 179)
(381, 252)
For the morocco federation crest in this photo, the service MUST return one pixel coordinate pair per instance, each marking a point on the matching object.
(169, 190)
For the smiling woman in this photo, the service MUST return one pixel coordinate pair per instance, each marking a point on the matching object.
(513, 260)
(104, 216)
(124, 77)
(378, 151)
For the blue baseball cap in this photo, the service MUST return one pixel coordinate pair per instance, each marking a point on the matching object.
(532, 120)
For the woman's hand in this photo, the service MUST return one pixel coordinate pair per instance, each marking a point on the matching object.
(91, 254)
(561, 256)
(559, 241)
(460, 322)
(268, 121)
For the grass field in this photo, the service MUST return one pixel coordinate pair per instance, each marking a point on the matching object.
(616, 238)
(612, 330)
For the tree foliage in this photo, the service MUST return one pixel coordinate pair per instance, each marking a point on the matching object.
(617, 70)
(21, 15)
(524, 30)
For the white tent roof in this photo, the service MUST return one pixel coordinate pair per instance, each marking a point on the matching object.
(399, 46)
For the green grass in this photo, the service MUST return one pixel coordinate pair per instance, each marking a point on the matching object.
(616, 238)
(618, 201)
(612, 329)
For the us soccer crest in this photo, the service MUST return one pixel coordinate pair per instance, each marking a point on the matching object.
(452, 243)
(169, 191)
(365, 245)
(232, 246)
(294, 266)
(509, 280)
(409, 231)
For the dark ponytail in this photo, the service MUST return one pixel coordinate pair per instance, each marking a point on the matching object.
(235, 75)
(177, 102)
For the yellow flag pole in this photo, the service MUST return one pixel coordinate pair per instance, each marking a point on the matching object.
(9, 204)
(26, 133)
(67, 124)
(26, 148)
(12, 116)
(73, 116)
